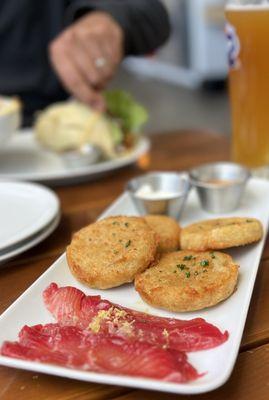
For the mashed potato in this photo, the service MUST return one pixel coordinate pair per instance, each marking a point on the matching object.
(65, 126)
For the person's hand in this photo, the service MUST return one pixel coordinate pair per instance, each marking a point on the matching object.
(86, 55)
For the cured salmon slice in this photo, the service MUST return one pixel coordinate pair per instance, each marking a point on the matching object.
(74, 347)
(70, 306)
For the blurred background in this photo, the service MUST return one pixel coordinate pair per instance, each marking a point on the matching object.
(184, 84)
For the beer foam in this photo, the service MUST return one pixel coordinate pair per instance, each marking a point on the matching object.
(248, 7)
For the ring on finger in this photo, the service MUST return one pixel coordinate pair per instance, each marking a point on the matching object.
(100, 62)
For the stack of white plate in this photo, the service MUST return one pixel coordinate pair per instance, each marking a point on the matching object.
(28, 214)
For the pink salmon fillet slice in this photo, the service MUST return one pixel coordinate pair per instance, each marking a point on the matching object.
(70, 306)
(73, 347)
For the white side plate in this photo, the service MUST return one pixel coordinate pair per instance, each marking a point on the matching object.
(27, 244)
(23, 159)
(230, 314)
(25, 209)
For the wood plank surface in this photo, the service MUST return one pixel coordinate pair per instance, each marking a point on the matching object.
(24, 385)
(81, 204)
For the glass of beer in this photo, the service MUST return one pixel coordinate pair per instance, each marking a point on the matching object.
(247, 31)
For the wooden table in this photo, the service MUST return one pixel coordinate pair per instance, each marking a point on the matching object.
(81, 204)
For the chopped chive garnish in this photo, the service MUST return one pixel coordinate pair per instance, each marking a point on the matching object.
(188, 274)
(181, 266)
(204, 263)
(187, 258)
(127, 244)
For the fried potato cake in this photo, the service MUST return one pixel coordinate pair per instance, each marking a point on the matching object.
(220, 233)
(188, 281)
(112, 251)
(167, 230)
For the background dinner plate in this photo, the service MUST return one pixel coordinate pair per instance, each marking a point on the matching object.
(25, 208)
(230, 314)
(23, 159)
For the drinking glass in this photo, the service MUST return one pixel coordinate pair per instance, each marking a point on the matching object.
(247, 32)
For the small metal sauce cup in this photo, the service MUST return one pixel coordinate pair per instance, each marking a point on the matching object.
(220, 186)
(174, 186)
(86, 155)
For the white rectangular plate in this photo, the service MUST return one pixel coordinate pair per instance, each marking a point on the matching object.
(230, 314)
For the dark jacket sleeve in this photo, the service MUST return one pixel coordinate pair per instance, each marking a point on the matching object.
(145, 22)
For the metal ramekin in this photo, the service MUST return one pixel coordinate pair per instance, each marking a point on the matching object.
(177, 184)
(217, 198)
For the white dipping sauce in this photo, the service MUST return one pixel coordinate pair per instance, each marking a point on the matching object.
(148, 193)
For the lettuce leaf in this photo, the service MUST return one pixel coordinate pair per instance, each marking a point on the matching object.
(122, 106)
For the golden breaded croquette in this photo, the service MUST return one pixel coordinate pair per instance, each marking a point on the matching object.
(167, 230)
(220, 233)
(188, 281)
(110, 252)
